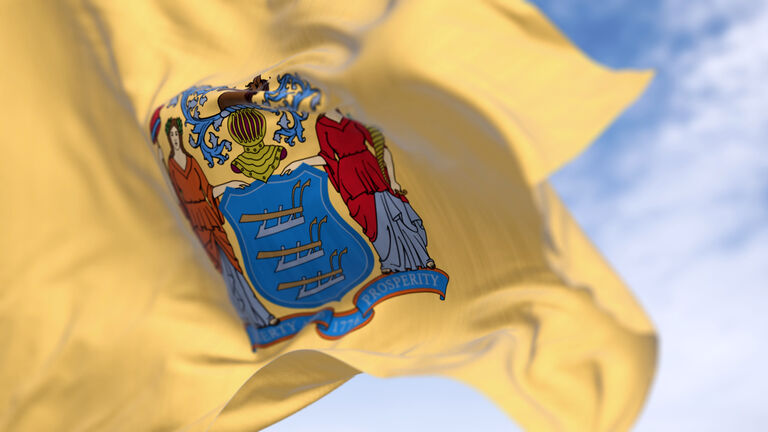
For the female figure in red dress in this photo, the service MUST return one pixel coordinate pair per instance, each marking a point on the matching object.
(200, 203)
(372, 195)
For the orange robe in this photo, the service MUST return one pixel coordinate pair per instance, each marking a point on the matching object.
(202, 209)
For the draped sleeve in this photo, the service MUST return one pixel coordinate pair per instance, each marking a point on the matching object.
(207, 189)
(328, 155)
(173, 174)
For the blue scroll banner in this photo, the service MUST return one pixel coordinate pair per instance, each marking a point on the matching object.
(334, 325)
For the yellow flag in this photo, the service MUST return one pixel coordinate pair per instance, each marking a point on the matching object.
(217, 212)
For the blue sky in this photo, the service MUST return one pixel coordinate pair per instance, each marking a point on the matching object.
(675, 194)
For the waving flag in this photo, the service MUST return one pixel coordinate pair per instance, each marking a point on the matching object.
(218, 212)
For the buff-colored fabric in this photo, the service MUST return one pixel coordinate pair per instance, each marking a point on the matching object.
(113, 318)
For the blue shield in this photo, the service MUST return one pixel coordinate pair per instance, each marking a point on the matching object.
(298, 251)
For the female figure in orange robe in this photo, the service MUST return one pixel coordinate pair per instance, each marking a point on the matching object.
(200, 202)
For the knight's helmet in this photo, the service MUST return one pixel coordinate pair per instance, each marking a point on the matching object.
(247, 127)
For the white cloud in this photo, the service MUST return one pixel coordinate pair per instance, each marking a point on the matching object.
(688, 225)
(694, 16)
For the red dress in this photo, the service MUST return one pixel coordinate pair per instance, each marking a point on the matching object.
(202, 209)
(352, 169)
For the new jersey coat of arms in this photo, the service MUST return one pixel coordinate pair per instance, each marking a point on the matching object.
(264, 212)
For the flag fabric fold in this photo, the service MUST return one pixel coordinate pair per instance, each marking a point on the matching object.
(166, 180)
